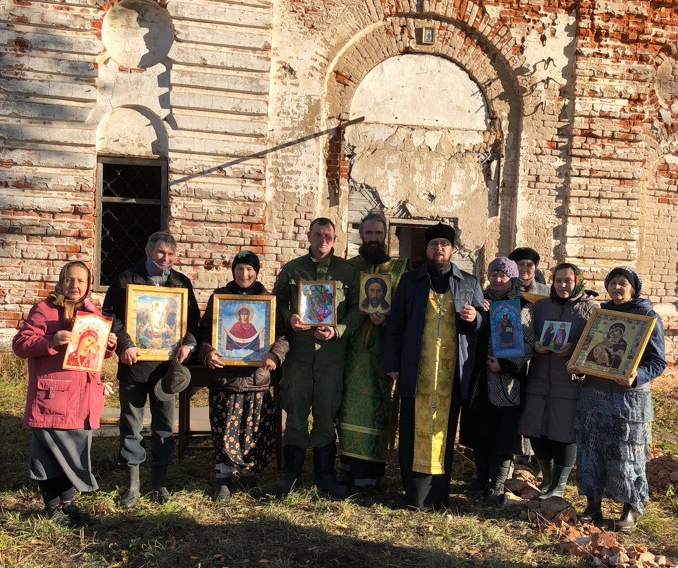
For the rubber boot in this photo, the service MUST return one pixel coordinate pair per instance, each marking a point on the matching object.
(159, 483)
(323, 467)
(293, 457)
(593, 512)
(499, 470)
(558, 482)
(628, 519)
(222, 490)
(131, 496)
(546, 467)
(250, 484)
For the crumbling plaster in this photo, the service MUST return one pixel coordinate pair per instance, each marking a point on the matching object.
(299, 106)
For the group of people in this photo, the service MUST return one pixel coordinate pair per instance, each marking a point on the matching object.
(431, 337)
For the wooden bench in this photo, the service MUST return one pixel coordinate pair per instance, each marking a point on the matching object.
(199, 380)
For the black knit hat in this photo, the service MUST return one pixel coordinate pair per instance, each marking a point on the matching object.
(630, 274)
(440, 231)
(522, 253)
(246, 257)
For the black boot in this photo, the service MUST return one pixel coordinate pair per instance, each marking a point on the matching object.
(546, 467)
(159, 483)
(131, 496)
(499, 470)
(250, 484)
(628, 519)
(593, 512)
(482, 476)
(75, 513)
(558, 482)
(293, 457)
(323, 467)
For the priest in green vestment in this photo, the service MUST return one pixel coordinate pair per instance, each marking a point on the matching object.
(366, 404)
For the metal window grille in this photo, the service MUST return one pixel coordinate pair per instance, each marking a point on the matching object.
(131, 205)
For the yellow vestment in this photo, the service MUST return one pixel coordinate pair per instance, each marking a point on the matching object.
(437, 366)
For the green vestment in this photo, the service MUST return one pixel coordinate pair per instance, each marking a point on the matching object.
(366, 406)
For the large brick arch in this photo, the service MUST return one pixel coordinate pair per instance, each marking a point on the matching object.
(491, 60)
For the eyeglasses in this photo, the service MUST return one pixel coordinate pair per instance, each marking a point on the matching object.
(442, 244)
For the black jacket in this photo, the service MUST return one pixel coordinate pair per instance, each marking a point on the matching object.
(115, 306)
(238, 378)
(405, 327)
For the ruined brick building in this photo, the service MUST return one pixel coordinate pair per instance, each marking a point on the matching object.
(232, 123)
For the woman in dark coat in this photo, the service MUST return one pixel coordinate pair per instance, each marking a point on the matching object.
(551, 395)
(490, 420)
(614, 417)
(242, 410)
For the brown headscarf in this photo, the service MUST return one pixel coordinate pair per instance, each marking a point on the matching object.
(70, 306)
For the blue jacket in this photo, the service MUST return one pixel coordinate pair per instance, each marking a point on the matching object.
(405, 327)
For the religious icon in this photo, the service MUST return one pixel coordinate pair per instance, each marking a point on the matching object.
(317, 302)
(89, 338)
(156, 319)
(555, 334)
(375, 293)
(243, 328)
(428, 36)
(612, 344)
(506, 329)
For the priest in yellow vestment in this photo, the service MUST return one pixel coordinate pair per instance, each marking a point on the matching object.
(431, 335)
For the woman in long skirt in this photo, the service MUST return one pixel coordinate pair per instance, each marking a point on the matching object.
(62, 405)
(242, 410)
(614, 417)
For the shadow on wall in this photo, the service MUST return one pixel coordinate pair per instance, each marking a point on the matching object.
(327, 132)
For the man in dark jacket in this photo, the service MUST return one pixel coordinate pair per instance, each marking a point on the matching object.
(138, 378)
(430, 343)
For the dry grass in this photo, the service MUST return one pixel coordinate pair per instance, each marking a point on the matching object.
(303, 530)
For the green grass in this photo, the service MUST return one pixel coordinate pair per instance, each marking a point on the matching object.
(303, 530)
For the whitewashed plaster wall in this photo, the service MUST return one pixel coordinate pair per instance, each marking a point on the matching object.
(424, 120)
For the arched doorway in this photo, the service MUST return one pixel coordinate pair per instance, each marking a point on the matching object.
(423, 153)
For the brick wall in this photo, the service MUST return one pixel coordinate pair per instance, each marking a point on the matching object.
(582, 96)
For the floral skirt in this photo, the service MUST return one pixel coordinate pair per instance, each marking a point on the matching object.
(243, 431)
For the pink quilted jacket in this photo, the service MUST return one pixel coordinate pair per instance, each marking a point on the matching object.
(56, 398)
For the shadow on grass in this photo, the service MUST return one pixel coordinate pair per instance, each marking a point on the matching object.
(154, 536)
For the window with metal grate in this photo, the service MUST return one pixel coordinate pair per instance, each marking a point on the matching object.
(131, 205)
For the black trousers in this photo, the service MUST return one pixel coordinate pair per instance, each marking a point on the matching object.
(425, 491)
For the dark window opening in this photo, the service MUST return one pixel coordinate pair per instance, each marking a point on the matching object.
(132, 205)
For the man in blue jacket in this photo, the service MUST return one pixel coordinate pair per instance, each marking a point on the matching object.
(430, 343)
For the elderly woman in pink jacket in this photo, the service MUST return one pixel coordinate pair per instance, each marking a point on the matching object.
(62, 406)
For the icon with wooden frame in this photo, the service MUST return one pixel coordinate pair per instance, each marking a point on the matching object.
(317, 302)
(156, 319)
(612, 344)
(243, 328)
